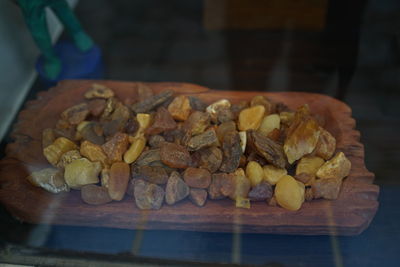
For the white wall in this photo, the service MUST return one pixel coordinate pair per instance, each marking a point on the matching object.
(17, 59)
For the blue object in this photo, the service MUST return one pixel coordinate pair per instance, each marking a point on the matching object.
(75, 64)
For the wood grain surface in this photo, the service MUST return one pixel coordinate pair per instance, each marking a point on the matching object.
(350, 214)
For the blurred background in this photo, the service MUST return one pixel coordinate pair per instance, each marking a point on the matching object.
(346, 49)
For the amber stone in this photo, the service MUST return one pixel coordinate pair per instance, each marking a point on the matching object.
(150, 103)
(116, 147)
(152, 174)
(163, 121)
(155, 141)
(208, 138)
(176, 189)
(95, 195)
(198, 196)
(93, 152)
(232, 152)
(174, 156)
(209, 158)
(180, 108)
(217, 180)
(268, 148)
(96, 106)
(76, 114)
(262, 191)
(147, 195)
(118, 182)
(197, 178)
(328, 188)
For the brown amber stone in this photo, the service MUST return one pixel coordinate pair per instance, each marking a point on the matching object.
(149, 157)
(155, 141)
(269, 149)
(162, 122)
(117, 120)
(224, 128)
(261, 192)
(96, 106)
(147, 195)
(208, 138)
(198, 196)
(176, 189)
(150, 103)
(197, 178)
(116, 147)
(225, 115)
(118, 181)
(196, 123)
(95, 195)
(121, 112)
(76, 114)
(152, 174)
(326, 188)
(180, 108)
(209, 158)
(89, 132)
(232, 152)
(197, 104)
(175, 156)
(326, 145)
(217, 180)
(109, 108)
(217, 107)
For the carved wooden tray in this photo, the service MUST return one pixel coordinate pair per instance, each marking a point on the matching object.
(350, 214)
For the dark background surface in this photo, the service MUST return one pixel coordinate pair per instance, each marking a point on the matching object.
(165, 41)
